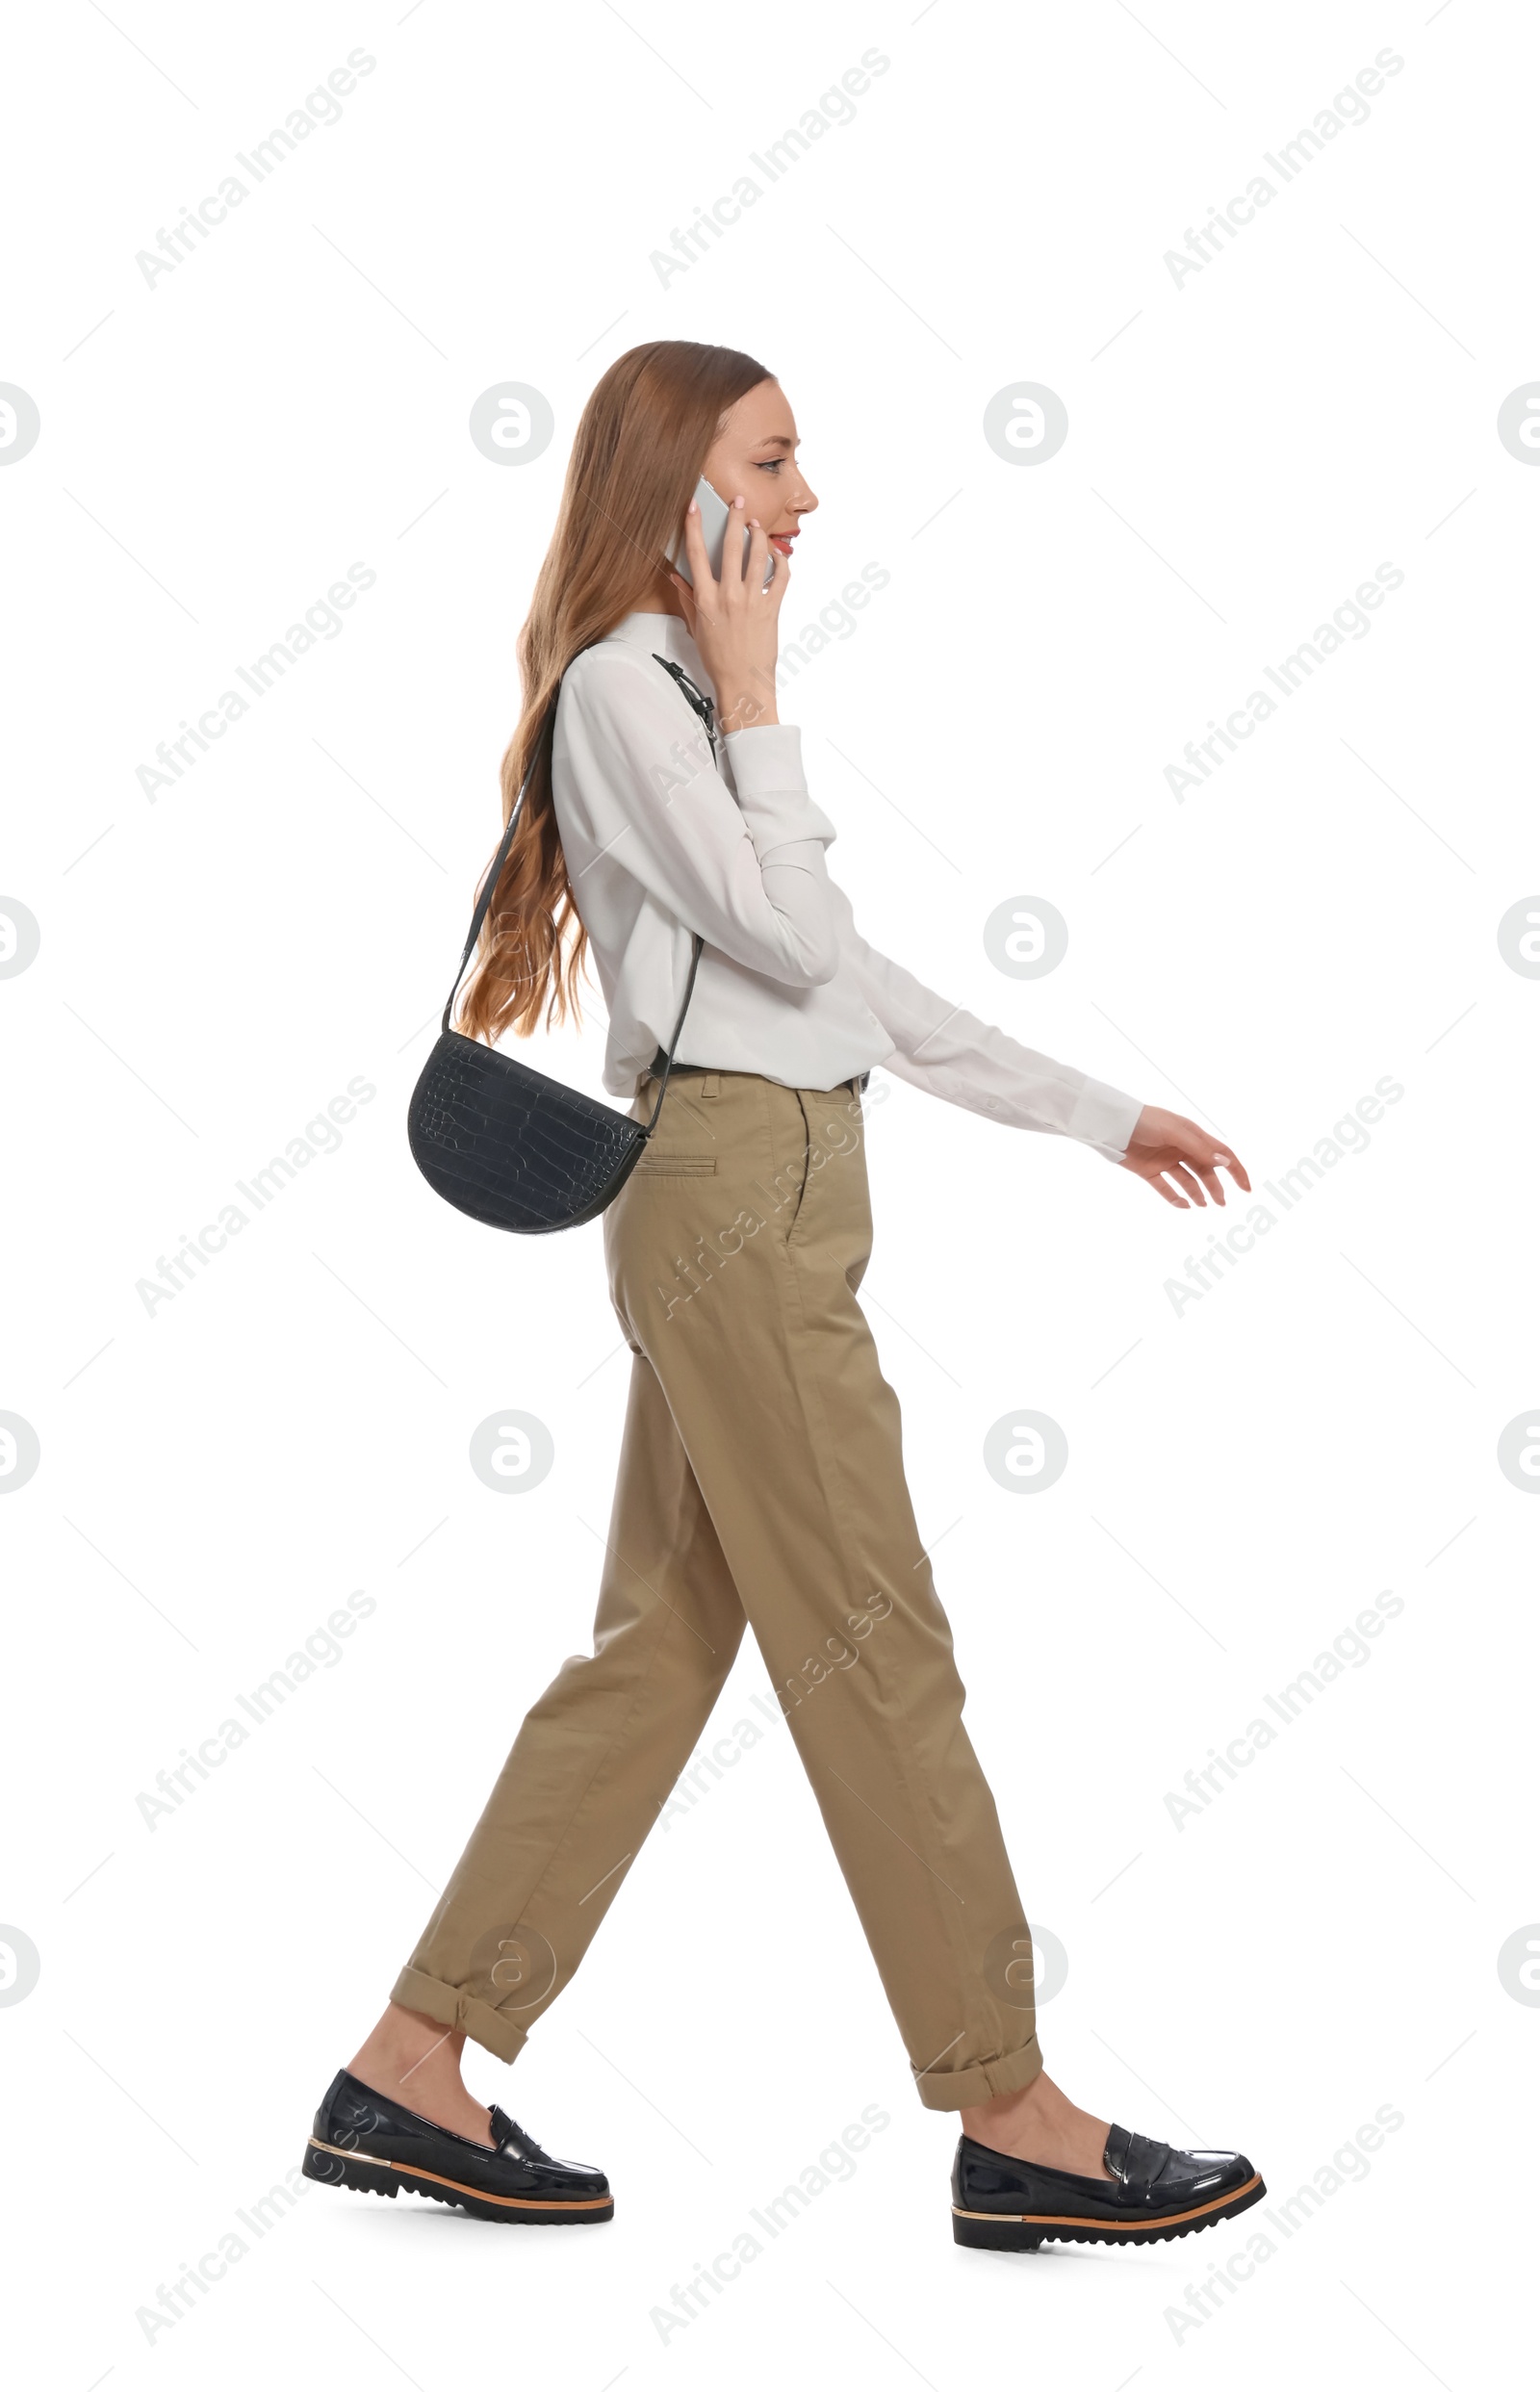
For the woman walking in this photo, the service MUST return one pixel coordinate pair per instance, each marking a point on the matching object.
(761, 1479)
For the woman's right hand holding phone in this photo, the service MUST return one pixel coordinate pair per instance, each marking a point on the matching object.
(734, 619)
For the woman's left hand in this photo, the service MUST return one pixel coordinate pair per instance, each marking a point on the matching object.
(1167, 1146)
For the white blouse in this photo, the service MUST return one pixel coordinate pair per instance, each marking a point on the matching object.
(660, 841)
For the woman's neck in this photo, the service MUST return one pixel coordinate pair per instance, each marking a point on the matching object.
(663, 598)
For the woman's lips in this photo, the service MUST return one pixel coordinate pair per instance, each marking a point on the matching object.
(783, 541)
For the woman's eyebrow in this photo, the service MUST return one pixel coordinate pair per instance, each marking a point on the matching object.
(777, 440)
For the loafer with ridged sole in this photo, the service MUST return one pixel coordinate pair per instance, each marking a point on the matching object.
(373, 2144)
(1153, 2195)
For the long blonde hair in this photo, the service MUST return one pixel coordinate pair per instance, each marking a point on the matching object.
(640, 449)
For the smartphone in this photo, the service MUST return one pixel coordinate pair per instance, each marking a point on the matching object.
(714, 514)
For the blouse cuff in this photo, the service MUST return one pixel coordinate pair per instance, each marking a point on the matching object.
(1104, 1118)
(772, 790)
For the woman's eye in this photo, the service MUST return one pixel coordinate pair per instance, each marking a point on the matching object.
(771, 465)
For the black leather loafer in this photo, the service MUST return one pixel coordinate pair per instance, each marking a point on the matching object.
(375, 2145)
(1154, 2194)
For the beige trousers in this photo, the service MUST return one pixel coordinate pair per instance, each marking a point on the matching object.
(761, 1480)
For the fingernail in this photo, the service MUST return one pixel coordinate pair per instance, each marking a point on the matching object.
(738, 502)
(692, 508)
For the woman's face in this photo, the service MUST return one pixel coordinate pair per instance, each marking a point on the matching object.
(755, 459)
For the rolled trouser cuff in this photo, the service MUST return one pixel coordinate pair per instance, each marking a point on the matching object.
(486, 2026)
(980, 2081)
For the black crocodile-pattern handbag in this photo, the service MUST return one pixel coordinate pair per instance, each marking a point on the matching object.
(505, 1144)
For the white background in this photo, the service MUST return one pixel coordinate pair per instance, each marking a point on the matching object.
(1244, 450)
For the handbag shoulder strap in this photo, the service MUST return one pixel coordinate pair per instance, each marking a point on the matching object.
(704, 708)
(707, 713)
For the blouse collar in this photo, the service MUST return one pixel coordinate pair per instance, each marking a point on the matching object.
(664, 636)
